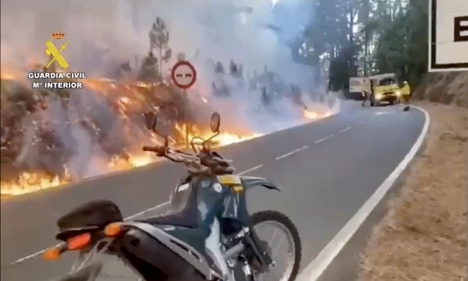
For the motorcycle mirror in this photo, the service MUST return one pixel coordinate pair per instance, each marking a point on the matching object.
(151, 120)
(215, 122)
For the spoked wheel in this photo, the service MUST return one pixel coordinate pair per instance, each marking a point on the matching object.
(284, 245)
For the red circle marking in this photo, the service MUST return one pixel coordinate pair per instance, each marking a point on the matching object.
(194, 76)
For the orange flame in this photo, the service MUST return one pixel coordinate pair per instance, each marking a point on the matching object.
(311, 115)
(31, 182)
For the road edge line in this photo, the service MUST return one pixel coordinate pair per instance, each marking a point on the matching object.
(315, 269)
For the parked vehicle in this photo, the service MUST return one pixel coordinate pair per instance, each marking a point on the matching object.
(378, 89)
(359, 87)
(208, 235)
(384, 89)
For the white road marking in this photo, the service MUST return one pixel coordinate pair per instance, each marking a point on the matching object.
(291, 153)
(384, 112)
(324, 139)
(306, 146)
(250, 170)
(344, 130)
(160, 206)
(318, 266)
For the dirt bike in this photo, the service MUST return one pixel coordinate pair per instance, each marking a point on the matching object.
(208, 234)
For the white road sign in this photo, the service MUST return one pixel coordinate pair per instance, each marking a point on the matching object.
(448, 35)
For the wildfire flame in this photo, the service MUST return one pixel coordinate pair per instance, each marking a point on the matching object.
(28, 182)
(311, 115)
(31, 182)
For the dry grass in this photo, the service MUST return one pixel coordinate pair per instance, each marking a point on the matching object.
(424, 235)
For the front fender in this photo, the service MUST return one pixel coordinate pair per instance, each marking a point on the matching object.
(249, 182)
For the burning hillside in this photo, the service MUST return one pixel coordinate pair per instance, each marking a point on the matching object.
(53, 137)
(44, 134)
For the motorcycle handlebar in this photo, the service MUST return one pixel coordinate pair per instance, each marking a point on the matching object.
(207, 158)
(174, 155)
(160, 150)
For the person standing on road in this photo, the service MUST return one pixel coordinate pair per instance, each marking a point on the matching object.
(406, 95)
(366, 95)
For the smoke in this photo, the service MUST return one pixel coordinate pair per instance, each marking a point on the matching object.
(106, 33)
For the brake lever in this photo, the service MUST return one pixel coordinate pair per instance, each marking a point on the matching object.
(216, 154)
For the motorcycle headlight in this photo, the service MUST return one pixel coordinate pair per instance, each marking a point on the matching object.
(378, 96)
(398, 93)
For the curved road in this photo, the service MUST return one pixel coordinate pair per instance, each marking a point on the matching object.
(327, 170)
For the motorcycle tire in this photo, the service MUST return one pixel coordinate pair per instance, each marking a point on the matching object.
(269, 215)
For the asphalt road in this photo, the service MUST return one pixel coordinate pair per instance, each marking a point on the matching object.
(326, 169)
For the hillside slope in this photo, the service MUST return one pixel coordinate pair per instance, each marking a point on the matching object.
(446, 88)
(423, 236)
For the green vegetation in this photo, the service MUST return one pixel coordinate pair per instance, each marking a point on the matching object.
(369, 37)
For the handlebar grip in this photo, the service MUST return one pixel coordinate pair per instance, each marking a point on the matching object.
(159, 150)
(148, 148)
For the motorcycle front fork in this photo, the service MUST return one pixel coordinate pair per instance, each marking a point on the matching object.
(260, 250)
(257, 258)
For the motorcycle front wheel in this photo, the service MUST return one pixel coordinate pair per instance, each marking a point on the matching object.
(282, 232)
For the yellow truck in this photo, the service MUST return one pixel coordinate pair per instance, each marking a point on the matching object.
(379, 89)
(384, 89)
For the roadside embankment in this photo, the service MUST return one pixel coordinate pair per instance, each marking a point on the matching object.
(445, 88)
(424, 234)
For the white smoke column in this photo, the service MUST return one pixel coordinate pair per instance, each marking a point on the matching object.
(212, 31)
(218, 29)
(89, 25)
